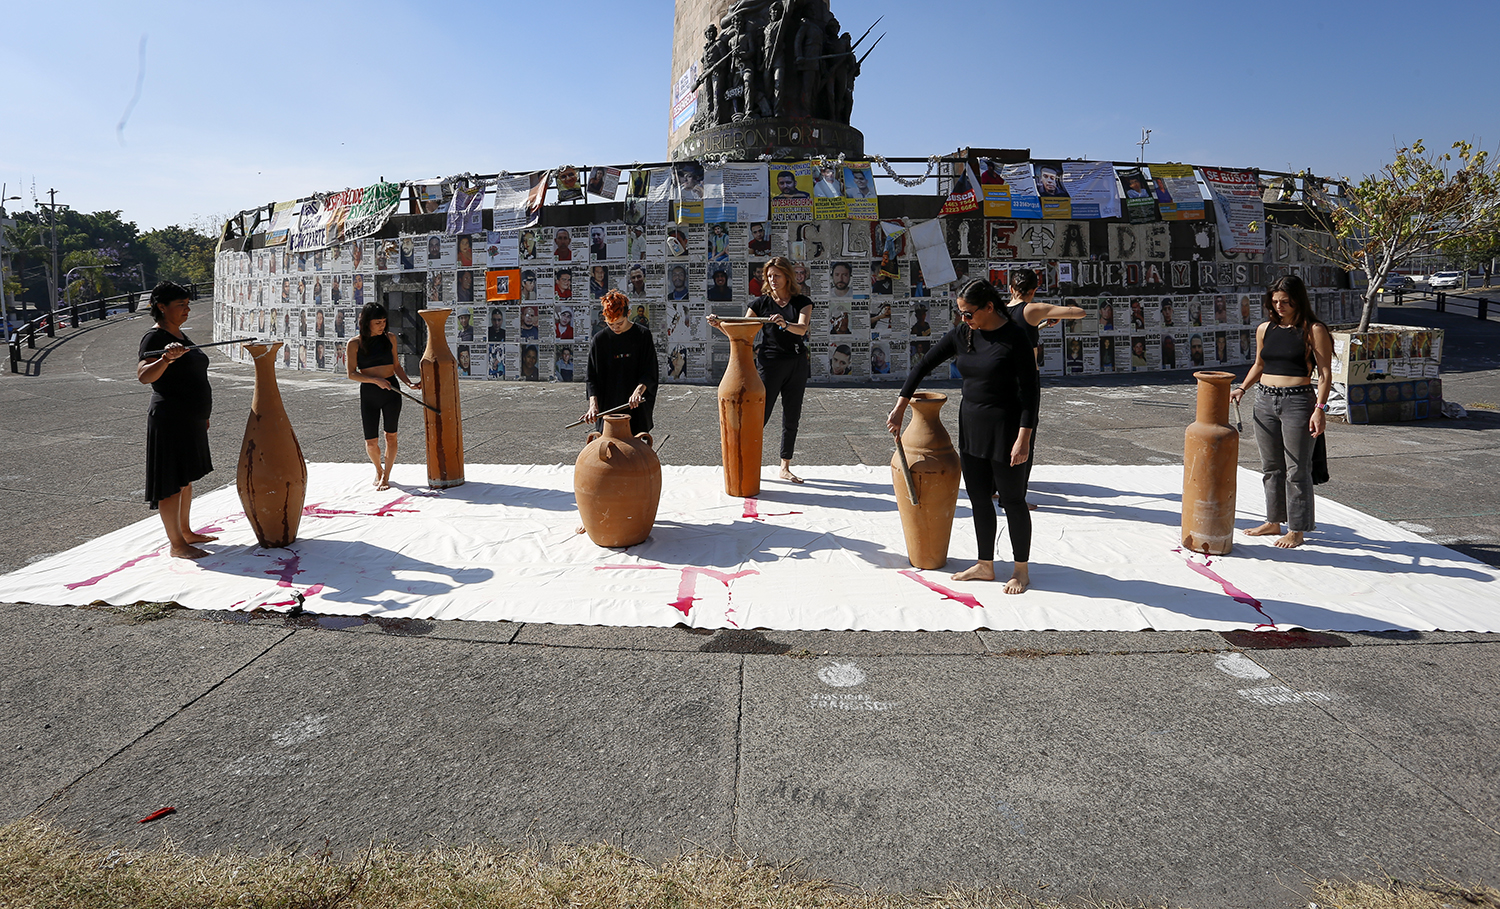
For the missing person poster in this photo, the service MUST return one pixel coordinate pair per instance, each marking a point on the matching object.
(736, 193)
(1177, 192)
(464, 215)
(1053, 192)
(517, 202)
(963, 195)
(791, 190)
(1140, 207)
(859, 191)
(1239, 207)
(1007, 185)
(604, 182)
(1092, 189)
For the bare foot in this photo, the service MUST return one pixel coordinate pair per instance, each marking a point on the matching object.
(786, 474)
(1264, 530)
(192, 537)
(378, 480)
(579, 529)
(383, 484)
(1031, 506)
(1020, 579)
(188, 552)
(1292, 540)
(979, 571)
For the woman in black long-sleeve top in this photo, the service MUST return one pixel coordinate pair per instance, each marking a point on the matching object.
(995, 421)
(622, 366)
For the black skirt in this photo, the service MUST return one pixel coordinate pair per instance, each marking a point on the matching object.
(176, 452)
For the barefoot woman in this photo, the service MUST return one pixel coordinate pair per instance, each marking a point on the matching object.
(995, 421)
(177, 420)
(1290, 413)
(781, 355)
(372, 362)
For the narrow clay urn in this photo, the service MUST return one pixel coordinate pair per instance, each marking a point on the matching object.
(935, 471)
(742, 411)
(617, 481)
(272, 475)
(1210, 457)
(445, 431)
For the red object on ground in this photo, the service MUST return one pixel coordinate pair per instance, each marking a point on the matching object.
(159, 813)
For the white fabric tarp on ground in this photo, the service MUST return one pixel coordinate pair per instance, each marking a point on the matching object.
(826, 555)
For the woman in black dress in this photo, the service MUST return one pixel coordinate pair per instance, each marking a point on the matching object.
(622, 366)
(995, 421)
(177, 420)
(781, 354)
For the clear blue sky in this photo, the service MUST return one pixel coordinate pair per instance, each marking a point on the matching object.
(248, 103)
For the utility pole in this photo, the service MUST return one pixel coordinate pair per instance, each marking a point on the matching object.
(5, 224)
(52, 207)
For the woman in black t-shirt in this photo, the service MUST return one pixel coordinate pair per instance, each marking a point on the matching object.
(781, 355)
(177, 450)
(995, 421)
(622, 367)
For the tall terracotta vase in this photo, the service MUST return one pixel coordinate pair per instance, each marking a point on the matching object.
(742, 412)
(445, 430)
(935, 472)
(617, 481)
(1210, 456)
(272, 476)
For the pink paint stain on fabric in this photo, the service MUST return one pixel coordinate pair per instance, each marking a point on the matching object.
(1236, 594)
(312, 591)
(290, 567)
(94, 580)
(948, 594)
(752, 511)
(688, 585)
(316, 511)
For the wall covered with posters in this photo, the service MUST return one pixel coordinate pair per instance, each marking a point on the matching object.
(1169, 280)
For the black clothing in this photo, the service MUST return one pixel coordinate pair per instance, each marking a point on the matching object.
(982, 479)
(720, 293)
(617, 364)
(177, 451)
(1001, 393)
(778, 343)
(1284, 351)
(1017, 313)
(786, 377)
(375, 402)
(379, 352)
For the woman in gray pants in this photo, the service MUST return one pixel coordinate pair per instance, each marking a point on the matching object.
(1290, 413)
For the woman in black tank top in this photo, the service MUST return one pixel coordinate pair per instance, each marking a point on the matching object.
(373, 363)
(1032, 316)
(1290, 411)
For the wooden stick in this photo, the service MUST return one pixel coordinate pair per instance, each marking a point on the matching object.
(415, 398)
(911, 483)
(157, 353)
(742, 319)
(600, 414)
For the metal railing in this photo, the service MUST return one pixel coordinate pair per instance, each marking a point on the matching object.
(1443, 300)
(73, 315)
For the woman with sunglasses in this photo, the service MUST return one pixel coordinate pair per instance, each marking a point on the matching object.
(995, 421)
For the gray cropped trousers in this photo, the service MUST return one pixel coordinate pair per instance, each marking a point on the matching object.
(1286, 452)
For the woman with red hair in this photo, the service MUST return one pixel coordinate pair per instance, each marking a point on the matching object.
(622, 366)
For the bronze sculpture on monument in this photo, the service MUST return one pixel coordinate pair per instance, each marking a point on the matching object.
(775, 79)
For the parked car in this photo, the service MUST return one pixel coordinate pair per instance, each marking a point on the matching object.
(1394, 281)
(1447, 280)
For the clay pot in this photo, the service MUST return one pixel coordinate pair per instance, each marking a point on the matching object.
(445, 431)
(1210, 457)
(617, 481)
(742, 412)
(935, 471)
(272, 476)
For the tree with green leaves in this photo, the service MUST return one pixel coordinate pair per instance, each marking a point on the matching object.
(1477, 252)
(184, 255)
(1419, 201)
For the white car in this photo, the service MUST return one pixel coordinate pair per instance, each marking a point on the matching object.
(1447, 280)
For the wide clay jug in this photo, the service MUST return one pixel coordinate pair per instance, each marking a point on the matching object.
(272, 475)
(742, 411)
(1210, 457)
(444, 422)
(935, 471)
(617, 481)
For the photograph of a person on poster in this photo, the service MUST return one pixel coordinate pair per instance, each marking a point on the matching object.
(759, 244)
(1107, 316)
(990, 174)
(465, 293)
(1106, 354)
(689, 178)
(718, 243)
(786, 186)
(598, 248)
(528, 244)
(1135, 186)
(720, 291)
(1049, 181)
(564, 321)
(564, 367)
(497, 324)
(827, 186)
(562, 245)
(857, 183)
(408, 254)
(562, 284)
(465, 251)
(465, 363)
(1221, 348)
(1168, 352)
(529, 358)
(598, 281)
(530, 328)
(465, 327)
(880, 364)
(635, 279)
(434, 249)
(677, 283)
(799, 279)
(1195, 350)
(1137, 316)
(497, 362)
(528, 284)
(1167, 319)
(838, 360)
(920, 327)
(677, 362)
(1138, 353)
(641, 316)
(840, 275)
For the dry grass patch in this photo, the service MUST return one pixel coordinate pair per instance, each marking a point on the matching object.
(43, 868)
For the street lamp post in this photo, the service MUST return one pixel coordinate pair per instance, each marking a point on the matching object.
(6, 222)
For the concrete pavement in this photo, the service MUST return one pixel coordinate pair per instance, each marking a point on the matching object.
(1155, 766)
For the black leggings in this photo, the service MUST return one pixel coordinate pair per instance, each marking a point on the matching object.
(374, 402)
(982, 477)
(786, 377)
